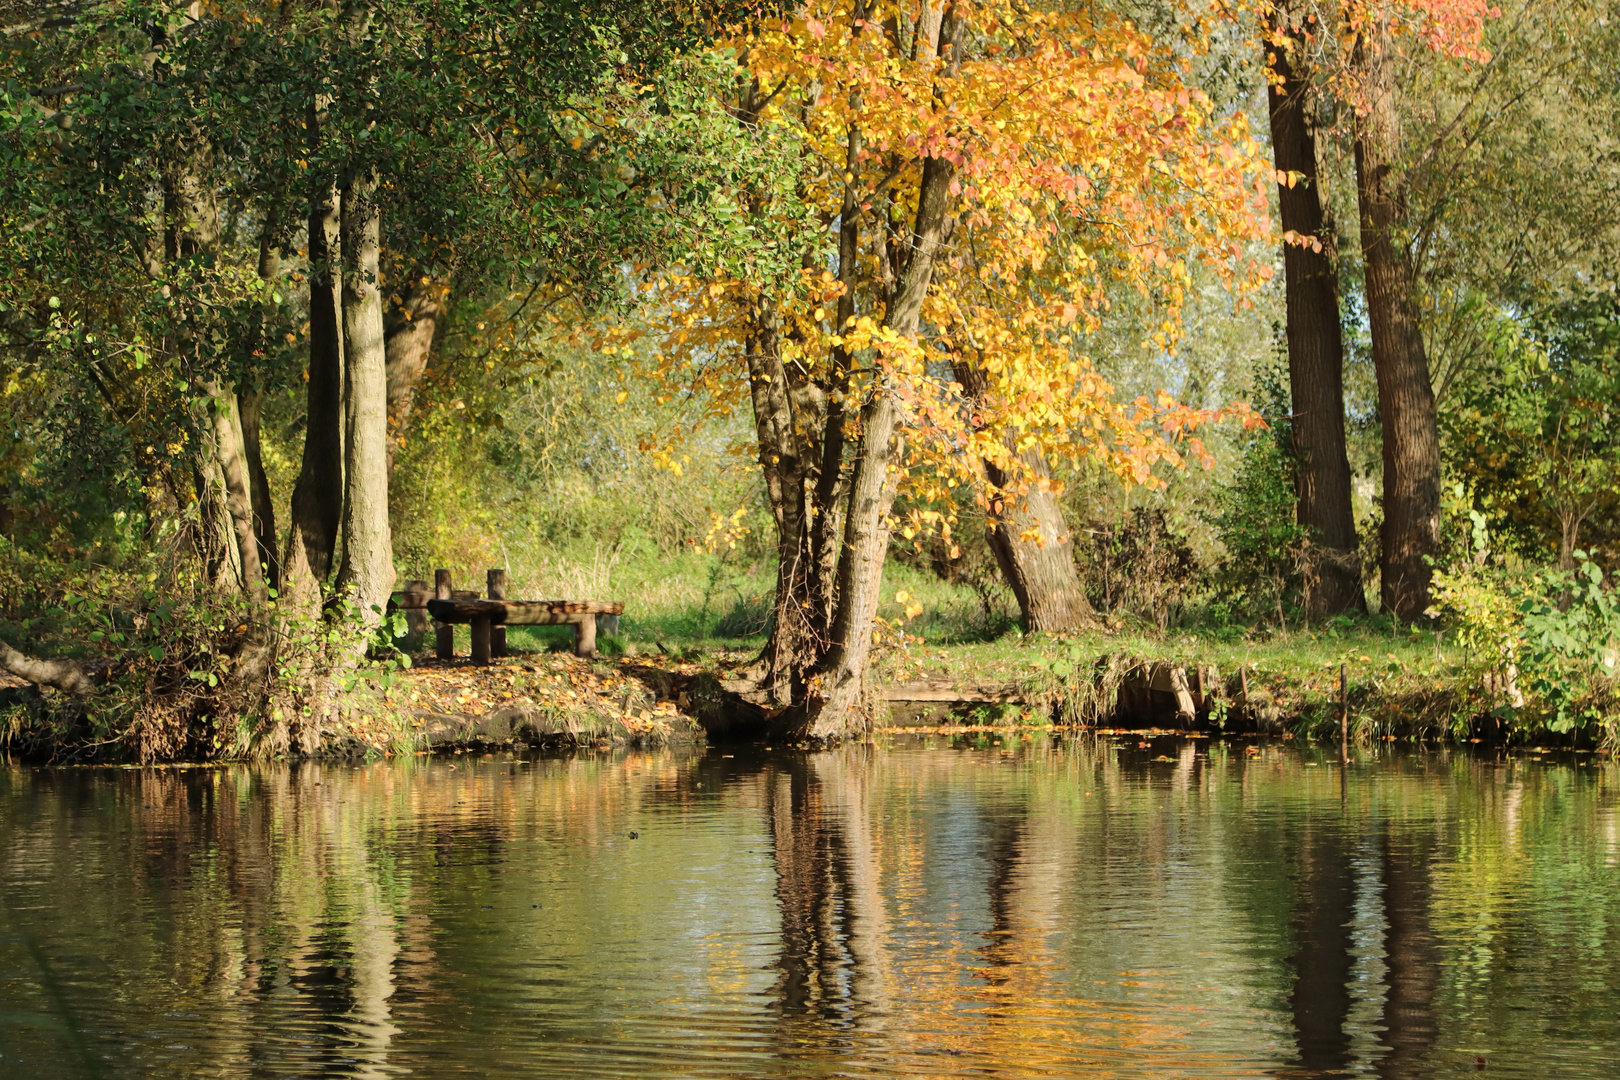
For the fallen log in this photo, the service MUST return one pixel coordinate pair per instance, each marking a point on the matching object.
(64, 675)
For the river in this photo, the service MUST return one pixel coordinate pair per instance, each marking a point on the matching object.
(1023, 907)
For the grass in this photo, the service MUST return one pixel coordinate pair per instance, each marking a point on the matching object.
(1405, 682)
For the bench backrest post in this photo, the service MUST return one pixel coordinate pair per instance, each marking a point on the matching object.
(496, 578)
(444, 638)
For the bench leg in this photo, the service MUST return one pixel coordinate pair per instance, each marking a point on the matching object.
(480, 641)
(497, 641)
(444, 641)
(585, 636)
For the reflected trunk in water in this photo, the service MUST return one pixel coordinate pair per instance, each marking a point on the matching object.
(1411, 958)
(1320, 1001)
(833, 961)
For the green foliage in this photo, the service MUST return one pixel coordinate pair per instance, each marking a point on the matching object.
(1536, 431)
(1255, 516)
(1543, 642)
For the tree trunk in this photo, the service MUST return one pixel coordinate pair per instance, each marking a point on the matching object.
(367, 574)
(409, 327)
(837, 705)
(1041, 571)
(1315, 353)
(1406, 404)
(234, 497)
(785, 458)
(249, 405)
(317, 500)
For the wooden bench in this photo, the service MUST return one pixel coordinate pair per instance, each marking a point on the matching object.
(490, 617)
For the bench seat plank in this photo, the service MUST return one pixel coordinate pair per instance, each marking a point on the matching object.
(522, 612)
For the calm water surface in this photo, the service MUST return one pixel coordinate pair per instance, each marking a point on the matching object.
(1076, 909)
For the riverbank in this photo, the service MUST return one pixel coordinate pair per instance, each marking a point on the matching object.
(1396, 686)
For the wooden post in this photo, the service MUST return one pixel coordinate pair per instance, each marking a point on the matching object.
(585, 636)
(1344, 714)
(497, 591)
(444, 636)
(480, 640)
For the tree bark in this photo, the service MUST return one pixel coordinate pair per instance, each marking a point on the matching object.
(1406, 405)
(64, 675)
(1315, 351)
(837, 705)
(317, 500)
(786, 460)
(367, 574)
(409, 327)
(237, 501)
(1040, 572)
(249, 408)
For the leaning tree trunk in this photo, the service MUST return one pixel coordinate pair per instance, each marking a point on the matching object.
(1039, 568)
(1406, 403)
(1315, 352)
(411, 321)
(367, 574)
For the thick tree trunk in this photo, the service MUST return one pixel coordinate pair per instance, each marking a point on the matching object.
(1406, 404)
(367, 575)
(1315, 354)
(317, 500)
(786, 460)
(409, 327)
(1040, 571)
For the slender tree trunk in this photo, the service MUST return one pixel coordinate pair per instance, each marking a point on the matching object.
(235, 497)
(838, 704)
(411, 321)
(317, 500)
(1315, 353)
(1406, 403)
(367, 574)
(249, 407)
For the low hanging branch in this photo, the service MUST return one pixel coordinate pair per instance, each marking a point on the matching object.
(64, 675)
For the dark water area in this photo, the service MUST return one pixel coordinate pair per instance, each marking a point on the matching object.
(1086, 908)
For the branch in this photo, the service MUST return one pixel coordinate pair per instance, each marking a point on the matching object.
(64, 675)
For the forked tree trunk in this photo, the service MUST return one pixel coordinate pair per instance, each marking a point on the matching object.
(838, 704)
(1040, 570)
(1405, 395)
(367, 574)
(1315, 353)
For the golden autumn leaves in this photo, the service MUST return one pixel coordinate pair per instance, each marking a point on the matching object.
(1083, 164)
